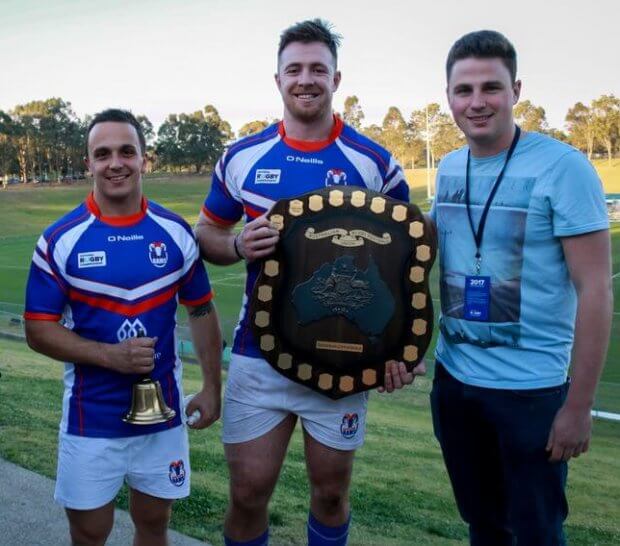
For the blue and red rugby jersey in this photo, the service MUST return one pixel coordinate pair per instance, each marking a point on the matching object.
(260, 169)
(108, 279)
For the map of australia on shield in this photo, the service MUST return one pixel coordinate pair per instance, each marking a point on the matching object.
(340, 288)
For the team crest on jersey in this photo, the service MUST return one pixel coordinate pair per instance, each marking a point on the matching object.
(158, 254)
(131, 329)
(176, 473)
(336, 177)
(348, 427)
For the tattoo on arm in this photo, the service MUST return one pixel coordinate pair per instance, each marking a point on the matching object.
(201, 310)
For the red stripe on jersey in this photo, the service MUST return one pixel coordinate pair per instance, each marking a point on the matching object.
(129, 310)
(117, 221)
(252, 213)
(217, 219)
(199, 301)
(312, 145)
(42, 316)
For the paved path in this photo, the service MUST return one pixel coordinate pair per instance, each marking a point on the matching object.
(30, 517)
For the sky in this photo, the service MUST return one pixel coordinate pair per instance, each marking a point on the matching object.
(157, 57)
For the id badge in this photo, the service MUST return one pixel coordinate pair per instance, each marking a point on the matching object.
(477, 297)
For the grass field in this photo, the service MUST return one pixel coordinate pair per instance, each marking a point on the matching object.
(400, 488)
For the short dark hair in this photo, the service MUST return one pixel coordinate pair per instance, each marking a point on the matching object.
(483, 44)
(311, 30)
(120, 116)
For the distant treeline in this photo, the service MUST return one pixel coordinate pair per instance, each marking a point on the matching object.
(44, 140)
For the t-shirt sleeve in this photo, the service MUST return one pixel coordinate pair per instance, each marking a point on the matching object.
(577, 197)
(46, 294)
(223, 203)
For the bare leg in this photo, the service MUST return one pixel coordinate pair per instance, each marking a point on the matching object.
(329, 471)
(254, 469)
(91, 527)
(150, 516)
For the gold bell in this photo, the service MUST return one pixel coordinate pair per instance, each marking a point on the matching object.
(148, 406)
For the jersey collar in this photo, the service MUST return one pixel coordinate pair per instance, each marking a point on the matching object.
(117, 221)
(312, 145)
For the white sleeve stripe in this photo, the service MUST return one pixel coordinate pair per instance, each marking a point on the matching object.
(42, 245)
(41, 263)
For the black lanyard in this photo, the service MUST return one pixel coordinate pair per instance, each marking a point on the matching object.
(483, 219)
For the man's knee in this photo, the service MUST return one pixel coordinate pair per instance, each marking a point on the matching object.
(89, 535)
(329, 496)
(250, 495)
(152, 521)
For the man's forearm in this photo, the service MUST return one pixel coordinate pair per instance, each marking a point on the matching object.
(592, 330)
(54, 340)
(217, 244)
(207, 340)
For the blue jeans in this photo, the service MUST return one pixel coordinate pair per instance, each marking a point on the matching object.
(493, 443)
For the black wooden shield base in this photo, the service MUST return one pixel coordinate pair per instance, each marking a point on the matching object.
(346, 290)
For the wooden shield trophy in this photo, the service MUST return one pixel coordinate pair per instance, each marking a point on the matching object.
(346, 290)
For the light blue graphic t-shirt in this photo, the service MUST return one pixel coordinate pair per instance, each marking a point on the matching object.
(549, 191)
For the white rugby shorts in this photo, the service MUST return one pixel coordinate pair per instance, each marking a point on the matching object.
(91, 471)
(257, 398)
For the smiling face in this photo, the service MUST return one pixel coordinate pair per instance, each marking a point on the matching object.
(481, 95)
(307, 79)
(117, 163)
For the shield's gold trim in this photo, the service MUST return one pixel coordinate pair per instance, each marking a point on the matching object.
(277, 221)
(358, 198)
(410, 353)
(326, 380)
(336, 198)
(267, 342)
(416, 274)
(304, 372)
(272, 268)
(296, 207)
(399, 213)
(262, 319)
(315, 203)
(416, 229)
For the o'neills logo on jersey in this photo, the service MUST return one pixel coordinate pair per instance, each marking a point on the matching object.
(306, 160)
(336, 177)
(130, 329)
(91, 259)
(267, 176)
(158, 254)
(125, 238)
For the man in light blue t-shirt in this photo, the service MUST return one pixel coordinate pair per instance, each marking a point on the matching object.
(525, 279)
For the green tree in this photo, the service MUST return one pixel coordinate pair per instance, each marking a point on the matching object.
(530, 117)
(580, 124)
(394, 132)
(606, 121)
(8, 152)
(253, 127)
(353, 114)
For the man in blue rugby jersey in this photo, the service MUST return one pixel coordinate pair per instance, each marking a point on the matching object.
(308, 150)
(102, 294)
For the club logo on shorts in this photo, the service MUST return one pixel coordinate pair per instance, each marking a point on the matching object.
(348, 427)
(336, 177)
(158, 254)
(176, 473)
(131, 329)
